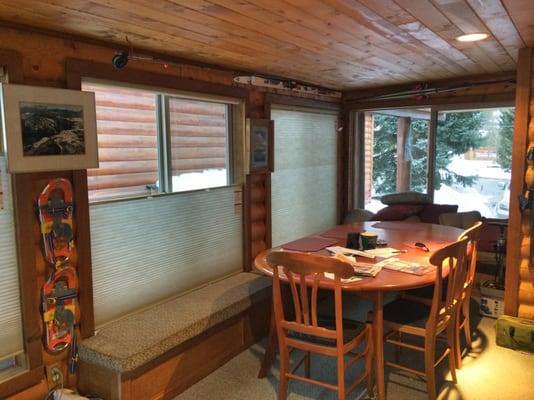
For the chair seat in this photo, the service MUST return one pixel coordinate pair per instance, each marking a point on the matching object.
(407, 312)
(351, 330)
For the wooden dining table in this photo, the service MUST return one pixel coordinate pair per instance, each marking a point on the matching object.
(399, 235)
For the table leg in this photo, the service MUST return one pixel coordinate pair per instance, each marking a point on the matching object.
(270, 351)
(379, 345)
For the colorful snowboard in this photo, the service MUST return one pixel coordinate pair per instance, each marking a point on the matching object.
(60, 292)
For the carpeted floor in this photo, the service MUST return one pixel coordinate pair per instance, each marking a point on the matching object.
(489, 373)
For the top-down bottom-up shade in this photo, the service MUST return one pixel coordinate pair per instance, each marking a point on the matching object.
(11, 339)
(304, 182)
(147, 250)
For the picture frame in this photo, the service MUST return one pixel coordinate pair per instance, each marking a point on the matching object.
(48, 129)
(260, 145)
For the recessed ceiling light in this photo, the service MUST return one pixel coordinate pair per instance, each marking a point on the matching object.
(472, 37)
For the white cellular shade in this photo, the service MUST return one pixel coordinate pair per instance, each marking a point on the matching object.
(304, 182)
(147, 250)
(11, 339)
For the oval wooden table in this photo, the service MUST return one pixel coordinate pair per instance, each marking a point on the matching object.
(400, 235)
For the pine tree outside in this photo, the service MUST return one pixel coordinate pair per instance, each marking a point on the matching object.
(472, 162)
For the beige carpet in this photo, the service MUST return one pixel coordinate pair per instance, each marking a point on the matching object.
(489, 373)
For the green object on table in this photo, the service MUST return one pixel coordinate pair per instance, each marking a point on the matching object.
(515, 333)
(369, 240)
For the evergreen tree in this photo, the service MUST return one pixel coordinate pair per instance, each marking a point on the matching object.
(504, 142)
(457, 133)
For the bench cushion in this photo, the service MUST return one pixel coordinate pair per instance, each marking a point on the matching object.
(132, 341)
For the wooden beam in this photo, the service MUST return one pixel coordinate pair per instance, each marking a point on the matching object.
(517, 184)
(404, 162)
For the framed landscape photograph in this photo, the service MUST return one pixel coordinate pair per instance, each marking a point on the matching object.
(260, 145)
(48, 129)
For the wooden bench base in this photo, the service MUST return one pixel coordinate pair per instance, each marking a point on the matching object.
(172, 373)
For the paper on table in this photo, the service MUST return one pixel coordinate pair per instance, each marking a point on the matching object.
(354, 278)
(345, 250)
(360, 268)
(385, 251)
(404, 266)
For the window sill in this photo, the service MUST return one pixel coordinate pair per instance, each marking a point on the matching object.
(157, 195)
(17, 379)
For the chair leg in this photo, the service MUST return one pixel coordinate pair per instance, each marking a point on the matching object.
(467, 324)
(340, 376)
(284, 366)
(430, 349)
(270, 351)
(369, 358)
(457, 341)
(453, 338)
(307, 364)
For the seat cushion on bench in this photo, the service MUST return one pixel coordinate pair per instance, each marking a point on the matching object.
(132, 341)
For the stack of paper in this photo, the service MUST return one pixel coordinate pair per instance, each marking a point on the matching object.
(360, 268)
(385, 252)
(405, 266)
(348, 252)
(354, 278)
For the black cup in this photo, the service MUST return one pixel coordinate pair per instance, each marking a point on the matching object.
(353, 240)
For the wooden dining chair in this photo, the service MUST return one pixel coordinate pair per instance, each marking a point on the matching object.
(305, 330)
(463, 322)
(432, 321)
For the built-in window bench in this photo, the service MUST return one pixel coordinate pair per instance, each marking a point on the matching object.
(161, 351)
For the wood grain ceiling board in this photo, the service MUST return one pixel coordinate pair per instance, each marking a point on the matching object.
(522, 15)
(340, 44)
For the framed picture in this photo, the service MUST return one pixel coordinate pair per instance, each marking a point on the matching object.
(260, 145)
(48, 129)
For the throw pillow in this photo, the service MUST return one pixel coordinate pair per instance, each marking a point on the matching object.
(397, 212)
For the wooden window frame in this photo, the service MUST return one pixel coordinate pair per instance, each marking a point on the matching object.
(31, 318)
(356, 185)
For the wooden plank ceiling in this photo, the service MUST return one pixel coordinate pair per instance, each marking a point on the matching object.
(341, 44)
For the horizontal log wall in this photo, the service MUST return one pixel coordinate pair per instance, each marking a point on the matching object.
(43, 56)
(128, 145)
(519, 296)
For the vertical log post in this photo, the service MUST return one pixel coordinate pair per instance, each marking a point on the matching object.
(404, 163)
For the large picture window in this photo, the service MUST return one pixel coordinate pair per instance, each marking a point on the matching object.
(471, 158)
(154, 142)
(146, 250)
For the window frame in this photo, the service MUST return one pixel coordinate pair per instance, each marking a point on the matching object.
(235, 121)
(31, 372)
(356, 133)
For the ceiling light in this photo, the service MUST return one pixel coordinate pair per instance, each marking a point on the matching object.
(472, 37)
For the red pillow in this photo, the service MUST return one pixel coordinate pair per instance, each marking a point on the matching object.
(431, 212)
(397, 212)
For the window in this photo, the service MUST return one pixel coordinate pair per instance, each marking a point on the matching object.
(149, 141)
(304, 182)
(11, 335)
(146, 250)
(396, 143)
(471, 159)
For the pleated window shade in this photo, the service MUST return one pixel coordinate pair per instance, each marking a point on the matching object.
(147, 250)
(11, 338)
(304, 182)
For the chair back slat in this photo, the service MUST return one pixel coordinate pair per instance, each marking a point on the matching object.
(301, 272)
(294, 293)
(315, 290)
(452, 257)
(473, 236)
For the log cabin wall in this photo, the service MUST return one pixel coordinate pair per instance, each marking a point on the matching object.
(519, 288)
(42, 57)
